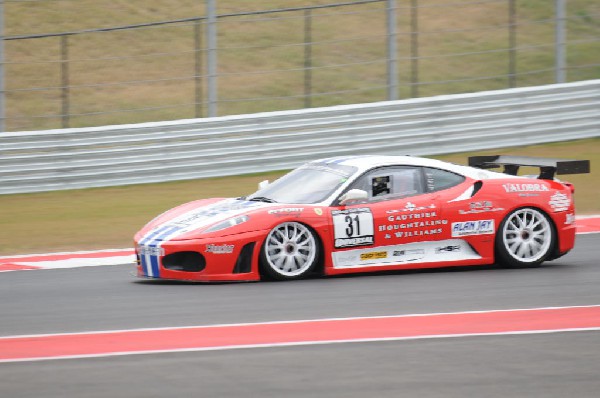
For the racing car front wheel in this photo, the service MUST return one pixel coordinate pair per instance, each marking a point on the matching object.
(291, 251)
(525, 238)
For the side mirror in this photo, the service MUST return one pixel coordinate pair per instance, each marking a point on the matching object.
(353, 195)
(263, 184)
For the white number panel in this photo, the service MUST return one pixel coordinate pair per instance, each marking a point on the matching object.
(353, 227)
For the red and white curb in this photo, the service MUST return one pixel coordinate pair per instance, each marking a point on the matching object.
(585, 225)
(588, 224)
(94, 344)
(67, 260)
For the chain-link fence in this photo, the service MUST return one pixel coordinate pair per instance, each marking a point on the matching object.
(330, 54)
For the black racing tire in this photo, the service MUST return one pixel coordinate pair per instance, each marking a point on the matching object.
(291, 251)
(525, 239)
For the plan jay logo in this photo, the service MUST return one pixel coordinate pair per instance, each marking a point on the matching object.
(480, 227)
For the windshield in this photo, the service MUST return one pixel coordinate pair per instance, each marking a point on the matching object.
(312, 183)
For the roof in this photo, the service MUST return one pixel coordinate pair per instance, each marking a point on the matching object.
(366, 162)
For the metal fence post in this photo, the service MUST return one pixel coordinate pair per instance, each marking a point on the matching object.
(212, 57)
(198, 68)
(414, 48)
(559, 37)
(392, 51)
(2, 92)
(307, 58)
(512, 44)
(64, 78)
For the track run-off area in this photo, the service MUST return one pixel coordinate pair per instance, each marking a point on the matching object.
(98, 331)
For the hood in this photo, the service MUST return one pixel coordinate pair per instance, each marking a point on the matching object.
(194, 216)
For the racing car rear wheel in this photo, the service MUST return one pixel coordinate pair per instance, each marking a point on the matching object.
(291, 251)
(525, 238)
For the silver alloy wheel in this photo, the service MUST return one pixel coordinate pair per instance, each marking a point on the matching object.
(290, 249)
(527, 235)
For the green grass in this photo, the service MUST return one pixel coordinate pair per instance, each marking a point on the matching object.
(251, 45)
(104, 218)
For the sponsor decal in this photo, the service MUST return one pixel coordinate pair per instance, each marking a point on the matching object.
(525, 187)
(318, 211)
(220, 249)
(559, 202)
(424, 232)
(412, 216)
(404, 254)
(373, 256)
(466, 228)
(150, 251)
(287, 211)
(419, 224)
(410, 207)
(480, 207)
(410, 254)
(447, 249)
(351, 211)
(348, 242)
(346, 257)
(412, 225)
(570, 219)
(353, 227)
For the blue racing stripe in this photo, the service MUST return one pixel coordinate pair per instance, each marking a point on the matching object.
(154, 234)
(342, 160)
(166, 231)
(155, 267)
(143, 264)
(155, 243)
(151, 268)
(338, 161)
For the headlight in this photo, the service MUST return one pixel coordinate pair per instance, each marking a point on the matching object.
(228, 223)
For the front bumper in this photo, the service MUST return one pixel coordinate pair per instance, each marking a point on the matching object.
(228, 258)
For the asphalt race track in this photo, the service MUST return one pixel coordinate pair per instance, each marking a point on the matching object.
(108, 298)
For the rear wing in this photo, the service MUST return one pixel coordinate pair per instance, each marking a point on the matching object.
(548, 167)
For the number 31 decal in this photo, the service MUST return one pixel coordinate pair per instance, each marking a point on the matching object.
(353, 227)
(351, 222)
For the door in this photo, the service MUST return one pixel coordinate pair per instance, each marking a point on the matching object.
(387, 228)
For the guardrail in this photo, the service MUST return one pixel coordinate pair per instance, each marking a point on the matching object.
(197, 148)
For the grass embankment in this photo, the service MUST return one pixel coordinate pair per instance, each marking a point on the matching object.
(261, 58)
(104, 218)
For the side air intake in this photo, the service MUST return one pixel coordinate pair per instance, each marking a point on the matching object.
(243, 265)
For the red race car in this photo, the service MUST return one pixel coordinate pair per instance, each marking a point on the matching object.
(369, 213)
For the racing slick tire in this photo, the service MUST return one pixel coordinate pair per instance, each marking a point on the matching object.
(525, 239)
(291, 251)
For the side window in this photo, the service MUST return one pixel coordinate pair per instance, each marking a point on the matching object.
(391, 183)
(437, 179)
